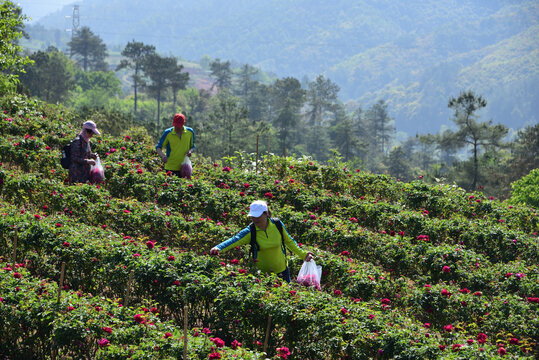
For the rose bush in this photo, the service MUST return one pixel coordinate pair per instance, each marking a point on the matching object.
(410, 270)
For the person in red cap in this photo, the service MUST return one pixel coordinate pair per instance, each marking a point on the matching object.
(82, 158)
(179, 142)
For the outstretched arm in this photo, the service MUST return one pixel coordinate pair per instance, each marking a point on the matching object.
(241, 238)
(162, 155)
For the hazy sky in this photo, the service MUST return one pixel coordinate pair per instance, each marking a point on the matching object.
(38, 8)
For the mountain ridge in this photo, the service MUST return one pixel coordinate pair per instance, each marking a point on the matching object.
(372, 50)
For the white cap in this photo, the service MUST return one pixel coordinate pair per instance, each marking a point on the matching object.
(257, 208)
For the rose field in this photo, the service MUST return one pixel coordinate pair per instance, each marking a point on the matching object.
(410, 270)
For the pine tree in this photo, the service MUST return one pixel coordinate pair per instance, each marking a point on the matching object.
(230, 123)
(287, 99)
(471, 132)
(380, 126)
(345, 135)
(135, 54)
(525, 151)
(399, 165)
(158, 69)
(178, 81)
(322, 97)
(89, 50)
(222, 73)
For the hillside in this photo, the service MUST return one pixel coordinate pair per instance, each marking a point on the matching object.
(415, 55)
(409, 270)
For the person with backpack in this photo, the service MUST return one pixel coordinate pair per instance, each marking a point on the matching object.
(179, 142)
(81, 157)
(269, 241)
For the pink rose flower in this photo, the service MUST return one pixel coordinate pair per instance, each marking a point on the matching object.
(103, 342)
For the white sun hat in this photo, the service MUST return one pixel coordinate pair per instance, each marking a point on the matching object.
(257, 208)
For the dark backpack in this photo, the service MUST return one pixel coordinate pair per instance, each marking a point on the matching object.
(254, 245)
(65, 160)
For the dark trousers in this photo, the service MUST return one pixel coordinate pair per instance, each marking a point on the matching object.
(285, 275)
(174, 172)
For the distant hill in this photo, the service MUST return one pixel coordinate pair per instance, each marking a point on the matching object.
(414, 54)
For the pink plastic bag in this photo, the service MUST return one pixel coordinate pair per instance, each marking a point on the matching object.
(186, 169)
(310, 274)
(97, 173)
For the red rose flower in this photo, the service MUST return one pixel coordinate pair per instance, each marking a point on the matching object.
(218, 342)
(139, 318)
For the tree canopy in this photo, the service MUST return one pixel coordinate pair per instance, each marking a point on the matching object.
(50, 77)
(135, 54)
(470, 131)
(89, 50)
(11, 60)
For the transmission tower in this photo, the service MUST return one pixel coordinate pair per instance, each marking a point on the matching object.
(75, 27)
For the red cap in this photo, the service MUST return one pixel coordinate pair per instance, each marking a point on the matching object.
(179, 120)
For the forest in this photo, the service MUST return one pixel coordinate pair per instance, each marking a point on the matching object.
(245, 109)
(415, 269)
